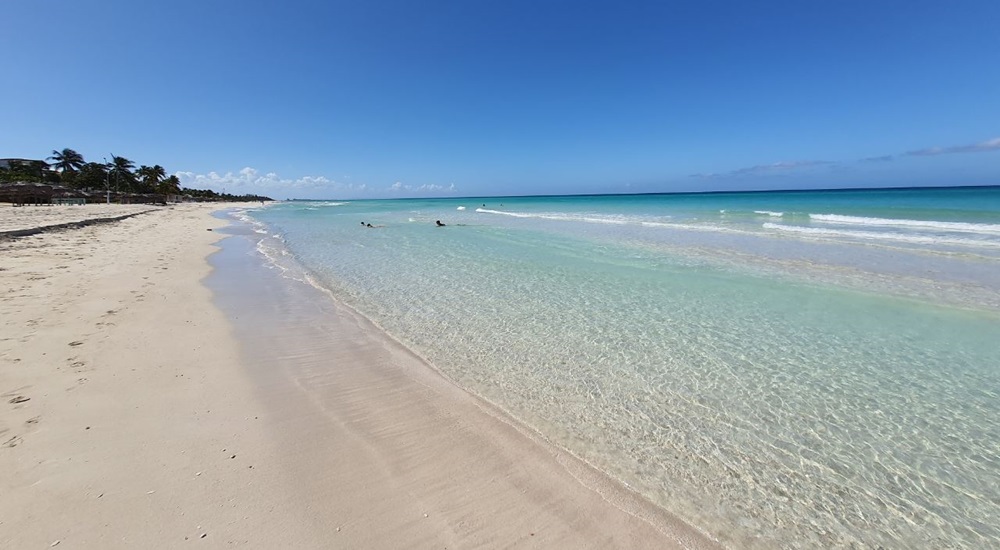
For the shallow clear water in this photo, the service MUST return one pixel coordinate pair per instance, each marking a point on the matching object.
(794, 369)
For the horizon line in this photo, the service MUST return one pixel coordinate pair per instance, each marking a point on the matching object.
(715, 192)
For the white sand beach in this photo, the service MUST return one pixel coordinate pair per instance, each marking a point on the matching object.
(31, 218)
(132, 417)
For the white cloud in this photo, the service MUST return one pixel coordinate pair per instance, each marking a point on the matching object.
(988, 145)
(251, 180)
(786, 166)
(400, 187)
(773, 168)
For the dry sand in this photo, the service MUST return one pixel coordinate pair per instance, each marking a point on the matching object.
(130, 416)
(15, 220)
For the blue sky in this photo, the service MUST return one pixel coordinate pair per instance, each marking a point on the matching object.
(394, 98)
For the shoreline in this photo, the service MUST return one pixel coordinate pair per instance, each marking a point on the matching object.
(151, 418)
(422, 430)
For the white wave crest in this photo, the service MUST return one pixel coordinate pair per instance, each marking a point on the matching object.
(963, 227)
(769, 213)
(556, 216)
(881, 236)
(624, 220)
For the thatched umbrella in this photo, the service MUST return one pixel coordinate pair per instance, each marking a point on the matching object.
(22, 192)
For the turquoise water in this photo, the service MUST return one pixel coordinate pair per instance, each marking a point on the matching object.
(794, 369)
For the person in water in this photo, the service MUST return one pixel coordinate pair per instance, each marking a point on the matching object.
(439, 224)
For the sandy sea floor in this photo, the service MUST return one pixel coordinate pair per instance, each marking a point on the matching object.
(142, 408)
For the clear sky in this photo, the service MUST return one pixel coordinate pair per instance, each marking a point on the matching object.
(372, 98)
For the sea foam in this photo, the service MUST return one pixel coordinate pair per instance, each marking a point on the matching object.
(882, 236)
(985, 228)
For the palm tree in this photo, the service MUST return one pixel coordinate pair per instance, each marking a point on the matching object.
(93, 175)
(151, 176)
(67, 160)
(170, 186)
(121, 170)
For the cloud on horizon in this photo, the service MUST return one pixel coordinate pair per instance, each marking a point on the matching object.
(427, 187)
(985, 146)
(251, 180)
(788, 166)
(766, 169)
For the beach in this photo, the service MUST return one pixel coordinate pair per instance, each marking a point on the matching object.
(149, 400)
(21, 221)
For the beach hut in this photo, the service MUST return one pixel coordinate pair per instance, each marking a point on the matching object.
(22, 193)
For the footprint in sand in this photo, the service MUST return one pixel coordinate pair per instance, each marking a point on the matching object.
(13, 442)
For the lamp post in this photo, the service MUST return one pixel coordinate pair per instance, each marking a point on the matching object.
(114, 160)
(107, 182)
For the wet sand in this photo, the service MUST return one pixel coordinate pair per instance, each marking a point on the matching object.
(142, 408)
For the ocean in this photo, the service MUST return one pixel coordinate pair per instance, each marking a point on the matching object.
(778, 369)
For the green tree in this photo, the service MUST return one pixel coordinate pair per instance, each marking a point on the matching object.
(93, 175)
(67, 160)
(169, 186)
(150, 178)
(26, 170)
(122, 176)
(68, 178)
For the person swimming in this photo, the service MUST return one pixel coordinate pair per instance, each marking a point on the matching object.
(439, 224)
